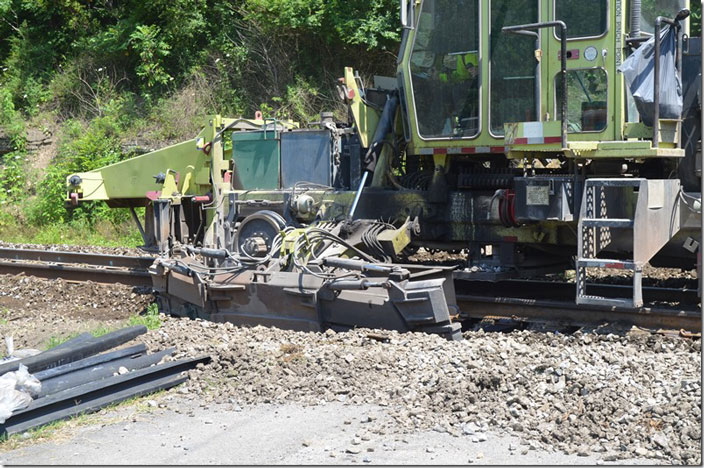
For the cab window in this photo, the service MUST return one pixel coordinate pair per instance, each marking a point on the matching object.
(512, 96)
(584, 18)
(444, 69)
(651, 9)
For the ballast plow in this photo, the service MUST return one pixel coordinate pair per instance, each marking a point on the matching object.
(300, 281)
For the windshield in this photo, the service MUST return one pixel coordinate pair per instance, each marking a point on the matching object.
(445, 69)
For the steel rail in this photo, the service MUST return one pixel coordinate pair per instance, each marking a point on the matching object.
(563, 290)
(513, 298)
(565, 312)
(77, 273)
(77, 266)
(93, 396)
(50, 256)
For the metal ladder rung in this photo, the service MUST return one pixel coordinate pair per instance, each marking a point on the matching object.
(606, 263)
(614, 182)
(607, 222)
(607, 301)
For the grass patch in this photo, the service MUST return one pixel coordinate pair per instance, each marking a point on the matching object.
(150, 318)
(123, 235)
(291, 352)
(102, 330)
(55, 341)
(40, 433)
(4, 316)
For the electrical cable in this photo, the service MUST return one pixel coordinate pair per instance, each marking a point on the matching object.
(683, 196)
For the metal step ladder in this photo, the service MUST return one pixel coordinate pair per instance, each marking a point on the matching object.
(628, 215)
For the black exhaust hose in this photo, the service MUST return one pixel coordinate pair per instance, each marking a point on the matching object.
(635, 18)
(386, 122)
(57, 357)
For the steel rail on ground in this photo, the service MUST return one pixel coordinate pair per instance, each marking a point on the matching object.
(77, 266)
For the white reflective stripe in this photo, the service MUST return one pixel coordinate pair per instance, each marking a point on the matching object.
(532, 129)
(483, 149)
(425, 151)
(454, 150)
(536, 141)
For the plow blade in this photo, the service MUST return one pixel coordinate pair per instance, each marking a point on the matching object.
(304, 302)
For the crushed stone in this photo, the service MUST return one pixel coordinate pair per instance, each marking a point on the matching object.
(585, 392)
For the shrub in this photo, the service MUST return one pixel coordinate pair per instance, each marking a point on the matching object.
(84, 148)
(13, 178)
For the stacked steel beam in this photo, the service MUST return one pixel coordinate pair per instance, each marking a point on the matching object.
(76, 379)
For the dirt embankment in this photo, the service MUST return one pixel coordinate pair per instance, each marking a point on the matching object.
(33, 310)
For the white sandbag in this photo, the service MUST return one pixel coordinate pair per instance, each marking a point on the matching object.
(26, 382)
(16, 391)
(12, 401)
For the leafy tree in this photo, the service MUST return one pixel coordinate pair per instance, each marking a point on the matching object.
(152, 50)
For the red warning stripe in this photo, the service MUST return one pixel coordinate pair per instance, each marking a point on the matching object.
(537, 141)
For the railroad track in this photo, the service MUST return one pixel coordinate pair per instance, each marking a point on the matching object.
(546, 301)
(668, 308)
(77, 266)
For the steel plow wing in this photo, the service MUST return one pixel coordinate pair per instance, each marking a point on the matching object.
(414, 298)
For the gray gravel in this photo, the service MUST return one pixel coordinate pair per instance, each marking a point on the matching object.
(616, 396)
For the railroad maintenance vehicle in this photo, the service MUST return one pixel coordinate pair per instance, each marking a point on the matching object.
(518, 139)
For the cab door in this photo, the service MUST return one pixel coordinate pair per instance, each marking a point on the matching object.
(591, 64)
(514, 75)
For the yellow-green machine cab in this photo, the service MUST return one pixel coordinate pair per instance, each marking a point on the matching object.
(470, 88)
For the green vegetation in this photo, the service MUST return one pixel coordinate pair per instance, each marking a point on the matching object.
(100, 77)
(150, 318)
(15, 441)
(55, 428)
(55, 341)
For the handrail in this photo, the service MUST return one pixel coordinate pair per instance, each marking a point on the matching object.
(675, 23)
(523, 29)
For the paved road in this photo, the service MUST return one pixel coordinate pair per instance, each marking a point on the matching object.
(185, 433)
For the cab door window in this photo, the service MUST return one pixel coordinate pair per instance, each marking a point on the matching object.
(444, 69)
(513, 94)
(586, 101)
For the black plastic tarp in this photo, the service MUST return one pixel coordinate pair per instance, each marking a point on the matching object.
(639, 71)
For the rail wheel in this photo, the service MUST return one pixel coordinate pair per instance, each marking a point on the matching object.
(256, 233)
